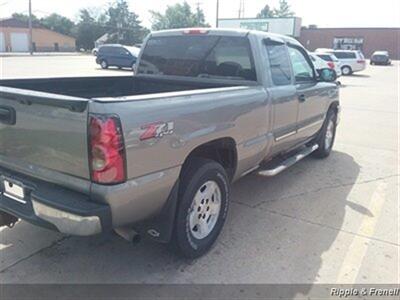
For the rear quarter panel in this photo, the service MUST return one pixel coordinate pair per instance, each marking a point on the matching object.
(240, 113)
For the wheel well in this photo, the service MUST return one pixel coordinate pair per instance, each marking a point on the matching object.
(334, 106)
(221, 150)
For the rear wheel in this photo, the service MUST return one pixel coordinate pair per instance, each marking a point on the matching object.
(327, 136)
(202, 207)
(346, 70)
(104, 64)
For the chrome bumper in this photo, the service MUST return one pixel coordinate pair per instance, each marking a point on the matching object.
(67, 223)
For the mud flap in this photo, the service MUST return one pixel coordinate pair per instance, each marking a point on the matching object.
(160, 227)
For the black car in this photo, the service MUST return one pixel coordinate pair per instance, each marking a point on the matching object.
(380, 58)
(117, 55)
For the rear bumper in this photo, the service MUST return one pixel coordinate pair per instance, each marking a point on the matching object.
(54, 207)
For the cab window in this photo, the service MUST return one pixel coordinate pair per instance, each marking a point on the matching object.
(279, 64)
(303, 71)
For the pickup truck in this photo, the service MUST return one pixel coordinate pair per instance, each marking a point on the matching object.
(154, 154)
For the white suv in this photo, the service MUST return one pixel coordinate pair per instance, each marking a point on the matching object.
(351, 60)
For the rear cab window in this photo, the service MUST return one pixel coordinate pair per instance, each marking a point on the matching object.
(218, 57)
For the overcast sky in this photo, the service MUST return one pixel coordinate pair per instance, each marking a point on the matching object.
(324, 13)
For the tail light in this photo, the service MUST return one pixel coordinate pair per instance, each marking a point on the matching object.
(196, 31)
(331, 65)
(361, 61)
(106, 150)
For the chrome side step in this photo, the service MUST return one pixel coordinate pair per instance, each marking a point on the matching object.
(288, 162)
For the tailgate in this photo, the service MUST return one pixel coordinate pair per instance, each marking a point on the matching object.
(43, 131)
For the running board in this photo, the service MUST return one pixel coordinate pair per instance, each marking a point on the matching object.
(288, 162)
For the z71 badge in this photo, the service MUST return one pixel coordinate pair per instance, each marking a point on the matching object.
(157, 130)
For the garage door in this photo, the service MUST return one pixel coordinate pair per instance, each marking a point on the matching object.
(19, 42)
(2, 43)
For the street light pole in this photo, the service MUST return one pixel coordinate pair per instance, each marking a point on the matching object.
(217, 17)
(30, 28)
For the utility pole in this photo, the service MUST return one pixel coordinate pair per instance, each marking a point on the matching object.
(241, 9)
(30, 28)
(217, 17)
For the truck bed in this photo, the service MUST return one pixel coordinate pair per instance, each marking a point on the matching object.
(113, 86)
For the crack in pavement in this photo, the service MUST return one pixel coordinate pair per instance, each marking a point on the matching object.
(257, 206)
(34, 253)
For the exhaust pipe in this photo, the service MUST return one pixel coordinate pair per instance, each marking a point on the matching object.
(128, 234)
(7, 219)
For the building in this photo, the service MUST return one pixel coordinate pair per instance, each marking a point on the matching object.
(288, 26)
(14, 37)
(367, 40)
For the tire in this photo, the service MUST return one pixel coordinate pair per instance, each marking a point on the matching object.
(199, 220)
(326, 137)
(346, 70)
(104, 64)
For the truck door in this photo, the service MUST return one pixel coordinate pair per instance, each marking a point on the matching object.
(309, 94)
(284, 95)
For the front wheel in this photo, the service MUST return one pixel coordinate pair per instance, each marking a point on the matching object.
(202, 207)
(327, 136)
(104, 64)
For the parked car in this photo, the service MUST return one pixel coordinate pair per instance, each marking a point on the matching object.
(154, 155)
(380, 58)
(351, 60)
(117, 56)
(326, 61)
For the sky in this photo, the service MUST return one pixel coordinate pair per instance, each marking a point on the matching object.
(324, 13)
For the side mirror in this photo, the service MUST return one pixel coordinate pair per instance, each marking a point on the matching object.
(327, 75)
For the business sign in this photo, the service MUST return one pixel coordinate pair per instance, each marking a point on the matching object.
(262, 26)
(348, 43)
(285, 26)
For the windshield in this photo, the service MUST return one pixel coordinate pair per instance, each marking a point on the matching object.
(199, 56)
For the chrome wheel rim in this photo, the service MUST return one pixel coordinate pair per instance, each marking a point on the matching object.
(329, 134)
(204, 211)
(104, 64)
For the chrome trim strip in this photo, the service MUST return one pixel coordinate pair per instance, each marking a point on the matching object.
(286, 135)
(14, 198)
(319, 122)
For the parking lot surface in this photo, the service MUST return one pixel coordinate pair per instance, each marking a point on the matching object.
(321, 221)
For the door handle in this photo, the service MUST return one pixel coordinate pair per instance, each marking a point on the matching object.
(302, 98)
(7, 115)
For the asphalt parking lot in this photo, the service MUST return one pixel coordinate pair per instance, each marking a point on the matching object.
(321, 221)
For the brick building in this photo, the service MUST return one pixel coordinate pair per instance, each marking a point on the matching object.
(14, 37)
(367, 40)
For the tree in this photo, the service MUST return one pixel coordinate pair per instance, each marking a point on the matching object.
(266, 12)
(88, 30)
(283, 10)
(58, 23)
(125, 23)
(178, 16)
(25, 18)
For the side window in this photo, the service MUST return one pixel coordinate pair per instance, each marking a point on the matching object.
(302, 70)
(279, 64)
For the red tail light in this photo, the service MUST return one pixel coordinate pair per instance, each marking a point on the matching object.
(331, 65)
(361, 61)
(106, 149)
(196, 31)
